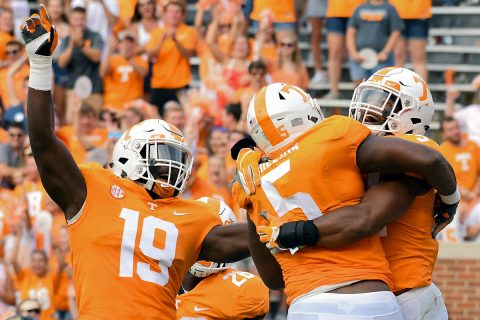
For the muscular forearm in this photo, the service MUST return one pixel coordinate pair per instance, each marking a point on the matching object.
(226, 244)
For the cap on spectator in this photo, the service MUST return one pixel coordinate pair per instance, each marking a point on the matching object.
(78, 4)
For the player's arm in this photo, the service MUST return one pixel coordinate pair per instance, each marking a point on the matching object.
(267, 266)
(225, 244)
(396, 156)
(59, 173)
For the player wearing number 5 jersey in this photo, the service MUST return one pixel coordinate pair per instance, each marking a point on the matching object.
(132, 238)
(217, 292)
(315, 169)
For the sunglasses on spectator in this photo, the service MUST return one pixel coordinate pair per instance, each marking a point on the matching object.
(12, 52)
(37, 311)
(287, 44)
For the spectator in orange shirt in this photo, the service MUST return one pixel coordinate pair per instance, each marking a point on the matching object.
(171, 46)
(123, 74)
(85, 135)
(264, 46)
(280, 12)
(290, 68)
(14, 75)
(416, 15)
(258, 72)
(217, 176)
(6, 35)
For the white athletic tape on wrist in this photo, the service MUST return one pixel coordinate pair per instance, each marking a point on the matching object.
(40, 66)
(452, 198)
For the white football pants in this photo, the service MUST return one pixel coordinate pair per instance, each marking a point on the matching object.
(380, 305)
(424, 303)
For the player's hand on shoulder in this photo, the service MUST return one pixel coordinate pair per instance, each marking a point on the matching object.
(269, 234)
(39, 34)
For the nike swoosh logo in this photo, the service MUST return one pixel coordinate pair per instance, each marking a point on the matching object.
(197, 309)
(180, 213)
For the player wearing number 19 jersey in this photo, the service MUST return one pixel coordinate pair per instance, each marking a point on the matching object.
(132, 239)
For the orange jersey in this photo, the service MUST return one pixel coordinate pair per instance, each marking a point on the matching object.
(4, 39)
(411, 251)
(123, 83)
(312, 177)
(98, 138)
(230, 294)
(342, 8)
(172, 70)
(32, 287)
(35, 196)
(130, 252)
(299, 78)
(413, 9)
(280, 10)
(465, 161)
(18, 80)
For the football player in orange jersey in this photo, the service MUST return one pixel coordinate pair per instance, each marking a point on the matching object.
(404, 111)
(217, 291)
(132, 239)
(327, 161)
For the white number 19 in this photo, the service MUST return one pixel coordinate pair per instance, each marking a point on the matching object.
(164, 256)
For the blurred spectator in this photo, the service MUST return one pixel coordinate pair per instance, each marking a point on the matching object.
(468, 116)
(4, 138)
(379, 18)
(144, 21)
(217, 176)
(12, 78)
(84, 135)
(101, 15)
(316, 11)
(338, 13)
(472, 225)
(258, 72)
(231, 117)
(416, 14)
(131, 117)
(174, 114)
(6, 35)
(7, 291)
(19, 10)
(171, 46)
(280, 12)
(58, 16)
(290, 68)
(123, 72)
(464, 157)
(62, 261)
(80, 55)
(29, 309)
(11, 154)
(264, 45)
(17, 112)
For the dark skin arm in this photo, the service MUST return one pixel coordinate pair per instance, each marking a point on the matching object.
(225, 244)
(59, 173)
(267, 266)
(396, 156)
(381, 204)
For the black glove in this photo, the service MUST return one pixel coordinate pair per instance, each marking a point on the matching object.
(443, 214)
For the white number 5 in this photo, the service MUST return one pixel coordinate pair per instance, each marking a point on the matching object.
(283, 205)
(164, 256)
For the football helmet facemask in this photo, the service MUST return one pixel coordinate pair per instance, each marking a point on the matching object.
(393, 101)
(154, 154)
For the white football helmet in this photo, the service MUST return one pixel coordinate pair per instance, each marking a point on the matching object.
(202, 269)
(154, 154)
(393, 101)
(279, 113)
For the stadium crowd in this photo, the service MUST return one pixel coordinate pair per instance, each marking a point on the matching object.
(119, 62)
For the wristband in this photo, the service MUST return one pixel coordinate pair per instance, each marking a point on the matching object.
(40, 72)
(298, 233)
(452, 198)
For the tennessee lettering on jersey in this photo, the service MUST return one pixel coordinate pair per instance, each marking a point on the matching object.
(408, 243)
(31, 286)
(313, 177)
(130, 252)
(229, 294)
